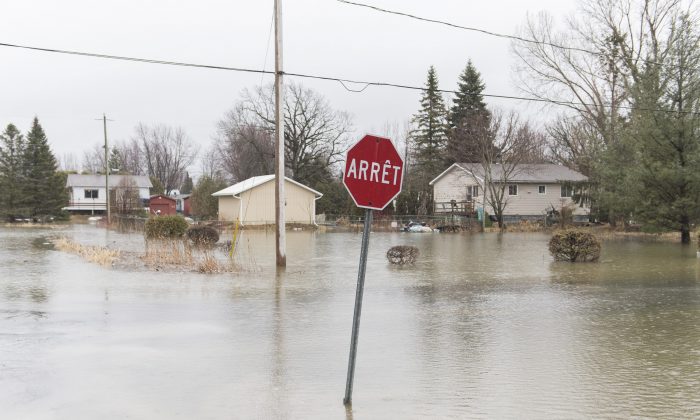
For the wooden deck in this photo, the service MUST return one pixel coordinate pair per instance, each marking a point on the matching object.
(463, 208)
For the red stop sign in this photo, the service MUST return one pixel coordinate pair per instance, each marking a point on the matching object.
(373, 172)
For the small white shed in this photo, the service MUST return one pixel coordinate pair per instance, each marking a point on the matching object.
(252, 201)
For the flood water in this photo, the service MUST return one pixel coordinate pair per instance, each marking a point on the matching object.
(483, 326)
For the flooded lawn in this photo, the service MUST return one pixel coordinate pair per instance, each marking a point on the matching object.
(483, 326)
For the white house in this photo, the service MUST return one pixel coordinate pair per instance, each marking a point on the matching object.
(252, 201)
(87, 192)
(532, 190)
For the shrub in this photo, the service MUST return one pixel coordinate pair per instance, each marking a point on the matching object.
(162, 227)
(574, 245)
(402, 254)
(203, 235)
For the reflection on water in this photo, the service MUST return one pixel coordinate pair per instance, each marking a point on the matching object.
(483, 326)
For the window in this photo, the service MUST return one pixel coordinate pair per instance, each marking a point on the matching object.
(567, 191)
(91, 194)
(472, 191)
(542, 189)
(512, 189)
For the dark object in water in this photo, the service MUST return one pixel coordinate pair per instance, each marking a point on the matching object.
(402, 254)
(202, 235)
(574, 245)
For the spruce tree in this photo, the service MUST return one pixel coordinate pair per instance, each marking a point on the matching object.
(187, 184)
(44, 189)
(11, 179)
(115, 163)
(430, 136)
(469, 117)
(429, 140)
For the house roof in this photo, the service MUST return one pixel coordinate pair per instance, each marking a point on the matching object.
(256, 181)
(525, 173)
(98, 181)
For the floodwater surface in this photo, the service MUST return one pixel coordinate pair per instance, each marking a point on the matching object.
(483, 326)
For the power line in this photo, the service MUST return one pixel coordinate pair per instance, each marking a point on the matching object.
(342, 81)
(487, 32)
(140, 60)
(267, 45)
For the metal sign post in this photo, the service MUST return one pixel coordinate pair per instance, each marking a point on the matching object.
(373, 176)
(358, 307)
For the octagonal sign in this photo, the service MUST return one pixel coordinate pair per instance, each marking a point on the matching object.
(373, 172)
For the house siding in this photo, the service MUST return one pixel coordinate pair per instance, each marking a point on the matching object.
(77, 200)
(528, 202)
(258, 205)
(453, 186)
(229, 208)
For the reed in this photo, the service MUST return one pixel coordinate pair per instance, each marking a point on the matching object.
(96, 254)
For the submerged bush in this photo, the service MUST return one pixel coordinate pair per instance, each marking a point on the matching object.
(203, 235)
(162, 227)
(574, 245)
(402, 254)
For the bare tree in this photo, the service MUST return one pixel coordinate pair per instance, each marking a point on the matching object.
(69, 162)
(94, 159)
(130, 157)
(166, 152)
(245, 148)
(316, 136)
(574, 143)
(610, 44)
(125, 197)
(506, 148)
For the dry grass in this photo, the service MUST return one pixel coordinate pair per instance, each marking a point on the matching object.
(161, 252)
(211, 265)
(178, 254)
(95, 254)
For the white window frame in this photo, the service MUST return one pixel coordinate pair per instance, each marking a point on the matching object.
(516, 190)
(543, 188)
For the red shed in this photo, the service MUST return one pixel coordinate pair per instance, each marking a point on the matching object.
(182, 204)
(163, 205)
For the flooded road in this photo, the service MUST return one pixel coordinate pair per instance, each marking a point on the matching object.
(483, 326)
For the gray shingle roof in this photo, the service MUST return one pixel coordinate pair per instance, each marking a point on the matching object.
(98, 181)
(525, 173)
(531, 172)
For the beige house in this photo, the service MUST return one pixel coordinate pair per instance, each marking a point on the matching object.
(252, 201)
(532, 190)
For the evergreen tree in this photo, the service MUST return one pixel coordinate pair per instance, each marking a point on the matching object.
(187, 184)
(469, 117)
(11, 154)
(115, 163)
(44, 188)
(204, 205)
(428, 143)
(667, 134)
(157, 187)
(430, 136)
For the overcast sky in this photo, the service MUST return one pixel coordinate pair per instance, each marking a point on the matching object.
(323, 37)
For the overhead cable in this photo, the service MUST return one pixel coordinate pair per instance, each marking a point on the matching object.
(342, 81)
(487, 32)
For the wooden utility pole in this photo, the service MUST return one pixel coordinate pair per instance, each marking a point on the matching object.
(107, 170)
(280, 240)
